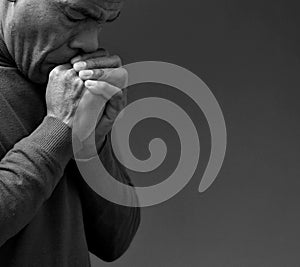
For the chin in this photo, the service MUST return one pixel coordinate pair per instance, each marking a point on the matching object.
(38, 78)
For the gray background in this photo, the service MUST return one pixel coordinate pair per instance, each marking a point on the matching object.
(248, 54)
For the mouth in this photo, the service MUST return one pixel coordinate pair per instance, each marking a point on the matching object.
(52, 65)
(47, 68)
(59, 60)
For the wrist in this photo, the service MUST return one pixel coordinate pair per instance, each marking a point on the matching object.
(90, 150)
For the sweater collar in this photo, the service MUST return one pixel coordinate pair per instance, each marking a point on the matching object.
(5, 58)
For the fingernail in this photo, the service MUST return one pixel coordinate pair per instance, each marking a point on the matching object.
(85, 74)
(89, 83)
(75, 59)
(79, 66)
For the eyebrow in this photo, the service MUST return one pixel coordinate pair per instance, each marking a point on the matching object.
(93, 14)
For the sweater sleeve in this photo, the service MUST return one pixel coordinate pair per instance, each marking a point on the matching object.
(109, 228)
(29, 173)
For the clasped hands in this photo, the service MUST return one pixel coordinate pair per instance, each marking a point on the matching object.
(83, 88)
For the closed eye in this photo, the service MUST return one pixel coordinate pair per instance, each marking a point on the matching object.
(74, 15)
(77, 14)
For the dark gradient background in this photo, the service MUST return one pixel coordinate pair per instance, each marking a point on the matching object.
(248, 53)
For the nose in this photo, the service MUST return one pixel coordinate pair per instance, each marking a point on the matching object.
(86, 40)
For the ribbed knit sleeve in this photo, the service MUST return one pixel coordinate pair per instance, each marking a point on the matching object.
(109, 228)
(29, 173)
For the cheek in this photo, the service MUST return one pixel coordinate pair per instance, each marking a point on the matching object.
(29, 17)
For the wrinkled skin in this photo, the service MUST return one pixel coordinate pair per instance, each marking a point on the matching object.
(39, 34)
(44, 36)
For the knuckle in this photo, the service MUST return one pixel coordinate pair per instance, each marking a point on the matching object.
(70, 73)
(102, 52)
(118, 95)
(122, 77)
(78, 82)
(54, 72)
(92, 62)
(123, 72)
(100, 86)
(117, 59)
(99, 73)
(103, 85)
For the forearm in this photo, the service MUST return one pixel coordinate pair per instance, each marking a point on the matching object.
(29, 173)
(109, 227)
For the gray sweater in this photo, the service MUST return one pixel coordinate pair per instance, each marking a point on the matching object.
(49, 216)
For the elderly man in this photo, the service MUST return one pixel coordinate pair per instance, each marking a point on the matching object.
(49, 58)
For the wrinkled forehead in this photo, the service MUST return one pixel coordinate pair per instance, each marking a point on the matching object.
(97, 5)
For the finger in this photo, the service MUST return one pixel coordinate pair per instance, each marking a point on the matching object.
(114, 108)
(100, 53)
(65, 70)
(117, 77)
(115, 104)
(98, 63)
(103, 128)
(112, 111)
(106, 122)
(103, 89)
(91, 74)
(110, 114)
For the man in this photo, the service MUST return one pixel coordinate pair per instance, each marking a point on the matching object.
(50, 57)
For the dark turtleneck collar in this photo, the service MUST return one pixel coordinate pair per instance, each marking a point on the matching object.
(5, 58)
